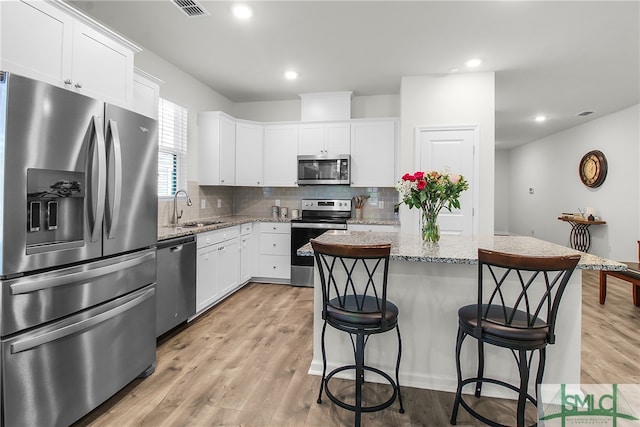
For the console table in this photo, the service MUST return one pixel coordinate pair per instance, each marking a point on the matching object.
(579, 236)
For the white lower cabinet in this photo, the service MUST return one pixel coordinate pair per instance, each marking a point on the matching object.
(218, 265)
(275, 250)
(248, 253)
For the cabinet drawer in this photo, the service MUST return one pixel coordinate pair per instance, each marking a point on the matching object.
(275, 227)
(246, 228)
(275, 266)
(275, 244)
(217, 236)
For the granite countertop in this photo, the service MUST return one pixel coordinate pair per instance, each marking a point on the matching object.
(169, 232)
(454, 249)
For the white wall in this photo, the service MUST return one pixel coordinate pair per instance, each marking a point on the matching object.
(182, 89)
(550, 166)
(502, 171)
(275, 111)
(459, 99)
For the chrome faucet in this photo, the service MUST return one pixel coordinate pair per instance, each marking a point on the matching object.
(176, 215)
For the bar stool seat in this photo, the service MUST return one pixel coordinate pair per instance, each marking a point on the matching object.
(354, 300)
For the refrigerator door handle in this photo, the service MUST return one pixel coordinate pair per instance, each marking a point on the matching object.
(47, 337)
(115, 168)
(26, 286)
(96, 230)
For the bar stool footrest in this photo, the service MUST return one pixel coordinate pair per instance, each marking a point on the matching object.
(477, 415)
(344, 405)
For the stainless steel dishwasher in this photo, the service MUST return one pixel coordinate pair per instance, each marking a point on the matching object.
(176, 282)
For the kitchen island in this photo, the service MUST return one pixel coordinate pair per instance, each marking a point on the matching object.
(429, 284)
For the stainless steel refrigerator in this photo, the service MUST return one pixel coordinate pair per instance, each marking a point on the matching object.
(78, 227)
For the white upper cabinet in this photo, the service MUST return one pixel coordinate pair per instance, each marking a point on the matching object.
(35, 40)
(51, 42)
(249, 154)
(281, 155)
(373, 152)
(324, 138)
(100, 67)
(146, 94)
(216, 148)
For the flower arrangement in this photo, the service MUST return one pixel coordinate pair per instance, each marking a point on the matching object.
(431, 191)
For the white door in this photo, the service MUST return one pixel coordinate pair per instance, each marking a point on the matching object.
(450, 150)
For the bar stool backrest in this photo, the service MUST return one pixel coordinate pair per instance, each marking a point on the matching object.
(514, 284)
(353, 274)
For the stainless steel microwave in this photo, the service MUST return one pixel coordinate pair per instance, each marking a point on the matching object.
(324, 170)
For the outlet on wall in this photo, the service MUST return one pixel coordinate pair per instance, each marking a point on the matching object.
(277, 202)
(203, 203)
(381, 204)
(219, 203)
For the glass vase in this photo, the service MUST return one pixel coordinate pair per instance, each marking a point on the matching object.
(430, 227)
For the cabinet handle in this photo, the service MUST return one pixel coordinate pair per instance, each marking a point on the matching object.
(274, 245)
(274, 267)
(78, 86)
(258, 182)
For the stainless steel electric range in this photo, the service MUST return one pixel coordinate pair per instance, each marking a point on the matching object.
(317, 217)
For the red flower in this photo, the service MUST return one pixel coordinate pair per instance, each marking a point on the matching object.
(419, 175)
(422, 184)
(407, 177)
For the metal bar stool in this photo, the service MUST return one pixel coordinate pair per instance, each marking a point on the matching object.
(354, 300)
(517, 307)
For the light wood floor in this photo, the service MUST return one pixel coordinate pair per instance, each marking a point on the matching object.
(245, 362)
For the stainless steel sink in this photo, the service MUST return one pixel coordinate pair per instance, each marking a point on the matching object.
(197, 224)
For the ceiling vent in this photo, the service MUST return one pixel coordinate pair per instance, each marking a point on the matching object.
(191, 8)
(585, 113)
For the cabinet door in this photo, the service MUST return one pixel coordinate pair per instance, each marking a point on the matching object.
(280, 155)
(206, 290)
(146, 94)
(35, 41)
(216, 148)
(373, 149)
(249, 154)
(101, 67)
(228, 277)
(248, 257)
(338, 138)
(324, 138)
(227, 150)
(311, 139)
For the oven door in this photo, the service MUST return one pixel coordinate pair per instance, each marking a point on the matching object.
(301, 233)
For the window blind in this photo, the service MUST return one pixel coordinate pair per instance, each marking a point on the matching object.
(172, 148)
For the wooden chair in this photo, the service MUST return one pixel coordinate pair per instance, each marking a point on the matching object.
(632, 275)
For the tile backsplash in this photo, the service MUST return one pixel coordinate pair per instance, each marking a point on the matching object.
(257, 201)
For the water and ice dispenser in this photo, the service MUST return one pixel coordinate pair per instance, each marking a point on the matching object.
(55, 209)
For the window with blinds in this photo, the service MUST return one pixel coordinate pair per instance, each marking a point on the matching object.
(172, 148)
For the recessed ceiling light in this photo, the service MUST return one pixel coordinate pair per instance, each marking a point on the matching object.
(291, 75)
(541, 118)
(472, 63)
(242, 11)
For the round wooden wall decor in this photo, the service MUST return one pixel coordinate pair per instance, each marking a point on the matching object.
(593, 168)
